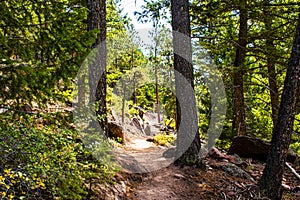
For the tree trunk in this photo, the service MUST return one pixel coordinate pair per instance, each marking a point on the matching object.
(156, 76)
(271, 64)
(97, 65)
(123, 100)
(157, 95)
(272, 82)
(188, 139)
(239, 124)
(270, 181)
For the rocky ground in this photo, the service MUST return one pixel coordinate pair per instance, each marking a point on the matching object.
(147, 174)
(228, 177)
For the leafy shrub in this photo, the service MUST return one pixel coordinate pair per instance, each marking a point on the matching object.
(224, 144)
(170, 123)
(164, 139)
(46, 161)
(296, 147)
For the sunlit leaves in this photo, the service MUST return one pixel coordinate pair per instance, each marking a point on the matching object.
(42, 42)
(42, 156)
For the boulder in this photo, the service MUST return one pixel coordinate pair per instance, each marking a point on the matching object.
(138, 122)
(115, 130)
(255, 148)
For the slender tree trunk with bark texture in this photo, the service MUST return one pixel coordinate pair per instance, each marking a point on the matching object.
(97, 65)
(270, 182)
(239, 124)
(188, 139)
(271, 64)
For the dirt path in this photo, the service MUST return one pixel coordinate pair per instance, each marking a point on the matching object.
(148, 175)
(167, 183)
(141, 156)
(159, 179)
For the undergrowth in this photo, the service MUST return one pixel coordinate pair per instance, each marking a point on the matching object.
(164, 139)
(42, 157)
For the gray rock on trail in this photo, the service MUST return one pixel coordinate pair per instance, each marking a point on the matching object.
(148, 126)
(138, 122)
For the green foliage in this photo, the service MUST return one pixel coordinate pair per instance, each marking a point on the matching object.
(215, 24)
(164, 139)
(203, 105)
(297, 123)
(145, 96)
(123, 55)
(223, 143)
(296, 147)
(170, 122)
(43, 45)
(259, 109)
(133, 111)
(295, 139)
(168, 101)
(42, 158)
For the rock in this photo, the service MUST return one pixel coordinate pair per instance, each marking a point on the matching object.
(140, 110)
(236, 171)
(150, 117)
(116, 131)
(138, 122)
(216, 154)
(249, 147)
(3, 110)
(255, 148)
(148, 129)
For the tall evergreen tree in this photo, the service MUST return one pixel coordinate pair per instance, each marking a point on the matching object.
(239, 123)
(188, 139)
(97, 66)
(271, 179)
(218, 26)
(270, 48)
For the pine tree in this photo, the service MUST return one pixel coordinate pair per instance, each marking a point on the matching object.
(97, 66)
(270, 182)
(188, 139)
(239, 123)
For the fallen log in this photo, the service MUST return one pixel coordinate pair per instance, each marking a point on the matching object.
(255, 148)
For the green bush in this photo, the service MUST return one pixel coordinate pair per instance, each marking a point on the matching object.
(164, 139)
(46, 161)
(296, 147)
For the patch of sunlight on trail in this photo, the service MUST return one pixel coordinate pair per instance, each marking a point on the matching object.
(140, 144)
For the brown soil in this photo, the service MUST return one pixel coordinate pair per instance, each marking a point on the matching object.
(220, 180)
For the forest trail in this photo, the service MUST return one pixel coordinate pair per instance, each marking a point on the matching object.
(141, 156)
(158, 178)
(148, 175)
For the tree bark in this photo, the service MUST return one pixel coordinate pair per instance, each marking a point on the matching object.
(97, 65)
(272, 82)
(270, 182)
(188, 139)
(239, 124)
(271, 64)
